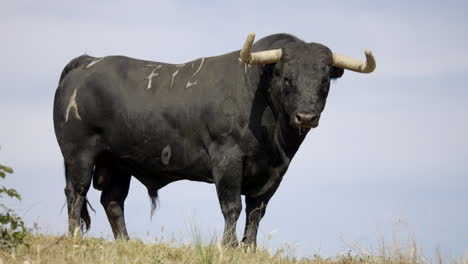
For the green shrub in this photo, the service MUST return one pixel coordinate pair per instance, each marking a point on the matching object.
(12, 227)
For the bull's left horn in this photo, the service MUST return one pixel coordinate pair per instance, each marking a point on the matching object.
(348, 63)
(261, 57)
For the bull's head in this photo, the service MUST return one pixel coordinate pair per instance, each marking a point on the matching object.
(301, 77)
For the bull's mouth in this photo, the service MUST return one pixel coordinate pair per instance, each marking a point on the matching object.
(301, 130)
(307, 126)
(304, 128)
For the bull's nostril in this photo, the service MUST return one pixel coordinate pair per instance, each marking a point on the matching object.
(298, 117)
(304, 118)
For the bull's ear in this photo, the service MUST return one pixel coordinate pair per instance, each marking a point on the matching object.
(336, 72)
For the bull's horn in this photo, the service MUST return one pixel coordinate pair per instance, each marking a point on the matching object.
(348, 63)
(261, 57)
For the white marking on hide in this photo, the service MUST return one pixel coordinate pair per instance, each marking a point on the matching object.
(91, 64)
(190, 84)
(72, 104)
(245, 68)
(173, 76)
(199, 67)
(180, 65)
(150, 77)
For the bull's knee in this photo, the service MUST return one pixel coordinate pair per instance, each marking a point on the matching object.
(113, 208)
(232, 214)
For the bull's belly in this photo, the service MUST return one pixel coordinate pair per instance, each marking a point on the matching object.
(160, 161)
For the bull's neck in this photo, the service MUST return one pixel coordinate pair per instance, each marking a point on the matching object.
(286, 138)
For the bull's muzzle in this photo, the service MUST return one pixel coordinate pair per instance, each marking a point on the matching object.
(306, 120)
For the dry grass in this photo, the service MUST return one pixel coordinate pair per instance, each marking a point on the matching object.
(52, 249)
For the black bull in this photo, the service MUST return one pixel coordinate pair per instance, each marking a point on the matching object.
(215, 119)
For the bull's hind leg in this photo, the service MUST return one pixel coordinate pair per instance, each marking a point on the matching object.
(78, 171)
(115, 185)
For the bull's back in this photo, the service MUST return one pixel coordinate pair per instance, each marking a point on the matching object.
(154, 123)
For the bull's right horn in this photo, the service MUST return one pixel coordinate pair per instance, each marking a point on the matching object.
(348, 63)
(261, 57)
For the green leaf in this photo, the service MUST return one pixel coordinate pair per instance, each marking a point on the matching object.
(10, 192)
(13, 193)
(2, 175)
(6, 169)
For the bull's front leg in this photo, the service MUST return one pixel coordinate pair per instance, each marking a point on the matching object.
(227, 175)
(254, 212)
(256, 207)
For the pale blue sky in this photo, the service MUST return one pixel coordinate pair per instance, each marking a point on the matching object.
(389, 157)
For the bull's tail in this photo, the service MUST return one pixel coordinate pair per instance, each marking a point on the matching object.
(85, 219)
(75, 63)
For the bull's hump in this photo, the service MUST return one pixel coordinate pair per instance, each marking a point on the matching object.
(173, 76)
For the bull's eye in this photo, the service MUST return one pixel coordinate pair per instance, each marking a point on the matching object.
(287, 82)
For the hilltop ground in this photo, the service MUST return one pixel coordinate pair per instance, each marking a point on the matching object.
(53, 249)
